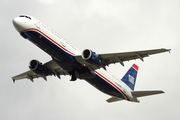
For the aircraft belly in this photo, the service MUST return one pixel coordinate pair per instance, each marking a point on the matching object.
(104, 87)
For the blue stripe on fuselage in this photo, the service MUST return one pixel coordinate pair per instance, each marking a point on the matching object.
(68, 62)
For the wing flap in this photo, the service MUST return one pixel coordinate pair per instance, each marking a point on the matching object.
(146, 93)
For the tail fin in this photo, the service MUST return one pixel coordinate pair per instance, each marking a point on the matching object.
(130, 77)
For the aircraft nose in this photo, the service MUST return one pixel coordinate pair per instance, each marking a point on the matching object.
(17, 22)
(21, 23)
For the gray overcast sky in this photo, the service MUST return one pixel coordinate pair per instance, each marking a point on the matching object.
(104, 26)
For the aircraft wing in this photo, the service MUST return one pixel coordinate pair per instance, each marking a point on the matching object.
(55, 70)
(108, 59)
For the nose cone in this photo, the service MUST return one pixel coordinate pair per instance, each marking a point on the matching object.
(18, 23)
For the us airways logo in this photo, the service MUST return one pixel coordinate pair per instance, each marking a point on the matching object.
(131, 79)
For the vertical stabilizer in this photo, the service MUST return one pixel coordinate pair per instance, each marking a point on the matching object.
(130, 77)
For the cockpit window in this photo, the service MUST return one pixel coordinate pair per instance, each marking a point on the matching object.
(25, 16)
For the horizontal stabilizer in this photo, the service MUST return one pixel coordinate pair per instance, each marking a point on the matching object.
(146, 93)
(113, 99)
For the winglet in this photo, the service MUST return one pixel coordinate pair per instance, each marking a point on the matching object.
(169, 50)
(13, 80)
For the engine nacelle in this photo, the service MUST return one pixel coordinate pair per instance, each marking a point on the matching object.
(38, 67)
(91, 56)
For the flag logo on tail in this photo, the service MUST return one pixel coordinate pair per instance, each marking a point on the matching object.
(131, 79)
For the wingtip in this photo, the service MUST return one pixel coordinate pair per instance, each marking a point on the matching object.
(162, 92)
(169, 50)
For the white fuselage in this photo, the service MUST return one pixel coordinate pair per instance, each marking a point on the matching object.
(38, 33)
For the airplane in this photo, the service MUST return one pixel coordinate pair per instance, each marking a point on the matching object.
(86, 65)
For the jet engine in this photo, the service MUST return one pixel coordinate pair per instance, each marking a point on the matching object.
(91, 56)
(38, 67)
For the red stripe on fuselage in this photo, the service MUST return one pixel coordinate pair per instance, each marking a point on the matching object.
(57, 44)
(112, 84)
